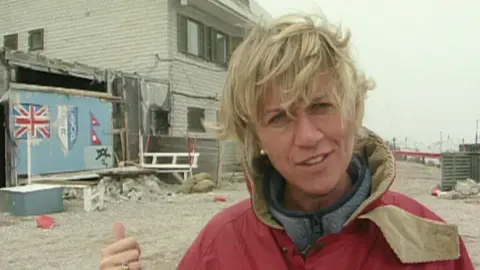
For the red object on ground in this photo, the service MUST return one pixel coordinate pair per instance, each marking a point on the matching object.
(45, 222)
(436, 190)
(220, 198)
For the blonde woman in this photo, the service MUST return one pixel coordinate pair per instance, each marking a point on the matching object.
(319, 181)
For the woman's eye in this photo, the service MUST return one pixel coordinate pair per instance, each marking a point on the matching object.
(321, 107)
(278, 118)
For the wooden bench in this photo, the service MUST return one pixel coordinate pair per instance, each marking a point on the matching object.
(180, 165)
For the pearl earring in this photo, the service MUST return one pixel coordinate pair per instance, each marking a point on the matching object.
(262, 152)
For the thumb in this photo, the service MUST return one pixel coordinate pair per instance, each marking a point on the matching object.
(118, 231)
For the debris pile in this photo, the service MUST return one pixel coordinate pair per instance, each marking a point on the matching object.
(463, 189)
(128, 188)
(145, 187)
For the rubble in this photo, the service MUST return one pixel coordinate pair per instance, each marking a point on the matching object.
(146, 187)
(143, 187)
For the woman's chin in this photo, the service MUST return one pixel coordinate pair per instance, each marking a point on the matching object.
(319, 190)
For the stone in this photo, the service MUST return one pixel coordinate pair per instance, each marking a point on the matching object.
(128, 185)
(203, 186)
(135, 195)
(152, 186)
(202, 176)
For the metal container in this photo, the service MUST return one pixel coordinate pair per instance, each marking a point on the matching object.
(32, 200)
(469, 147)
(455, 166)
(475, 168)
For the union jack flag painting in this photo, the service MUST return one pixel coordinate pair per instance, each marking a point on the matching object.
(31, 119)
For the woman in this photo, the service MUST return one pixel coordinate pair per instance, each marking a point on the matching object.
(319, 181)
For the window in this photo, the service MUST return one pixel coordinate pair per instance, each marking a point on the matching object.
(219, 47)
(191, 36)
(10, 41)
(234, 43)
(159, 124)
(195, 117)
(36, 40)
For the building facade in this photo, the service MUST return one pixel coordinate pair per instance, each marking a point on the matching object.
(185, 44)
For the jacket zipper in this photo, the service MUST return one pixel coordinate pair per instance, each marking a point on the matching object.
(317, 233)
(317, 227)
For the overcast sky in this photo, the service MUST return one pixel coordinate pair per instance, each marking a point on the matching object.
(424, 56)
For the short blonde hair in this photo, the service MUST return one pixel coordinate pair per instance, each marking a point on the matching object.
(289, 53)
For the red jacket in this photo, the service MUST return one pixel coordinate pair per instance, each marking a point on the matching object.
(389, 231)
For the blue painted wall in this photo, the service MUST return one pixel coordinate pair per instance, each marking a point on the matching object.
(67, 133)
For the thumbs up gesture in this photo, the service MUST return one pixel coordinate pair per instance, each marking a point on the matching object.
(123, 254)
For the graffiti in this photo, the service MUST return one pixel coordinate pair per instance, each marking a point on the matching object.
(95, 140)
(103, 155)
(59, 127)
(67, 121)
(31, 120)
(98, 157)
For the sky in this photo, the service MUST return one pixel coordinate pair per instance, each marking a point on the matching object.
(424, 56)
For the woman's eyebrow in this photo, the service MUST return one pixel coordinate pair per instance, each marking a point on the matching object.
(273, 110)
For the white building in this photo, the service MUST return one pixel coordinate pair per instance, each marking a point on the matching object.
(186, 43)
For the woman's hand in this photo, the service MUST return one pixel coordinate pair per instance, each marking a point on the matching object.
(124, 254)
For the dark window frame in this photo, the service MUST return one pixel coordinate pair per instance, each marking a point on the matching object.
(207, 40)
(214, 47)
(183, 38)
(10, 41)
(195, 115)
(37, 33)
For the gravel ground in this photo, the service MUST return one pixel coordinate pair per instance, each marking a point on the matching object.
(167, 225)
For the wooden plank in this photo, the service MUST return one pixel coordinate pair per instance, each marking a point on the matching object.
(65, 91)
(68, 182)
(125, 114)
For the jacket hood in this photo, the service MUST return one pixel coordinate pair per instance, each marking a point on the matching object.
(382, 167)
(398, 226)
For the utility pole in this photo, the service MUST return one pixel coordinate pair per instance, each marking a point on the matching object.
(476, 133)
(441, 142)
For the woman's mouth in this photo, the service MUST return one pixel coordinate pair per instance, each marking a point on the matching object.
(314, 160)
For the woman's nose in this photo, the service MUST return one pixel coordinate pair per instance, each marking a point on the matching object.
(306, 132)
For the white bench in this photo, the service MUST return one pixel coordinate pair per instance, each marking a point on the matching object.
(180, 163)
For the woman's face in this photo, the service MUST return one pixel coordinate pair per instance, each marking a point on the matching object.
(313, 150)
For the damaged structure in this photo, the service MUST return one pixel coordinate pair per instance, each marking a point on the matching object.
(57, 117)
(183, 45)
(65, 121)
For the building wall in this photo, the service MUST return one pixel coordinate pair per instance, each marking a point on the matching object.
(200, 79)
(67, 133)
(118, 34)
(133, 36)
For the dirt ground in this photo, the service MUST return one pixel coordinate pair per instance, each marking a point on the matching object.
(166, 226)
